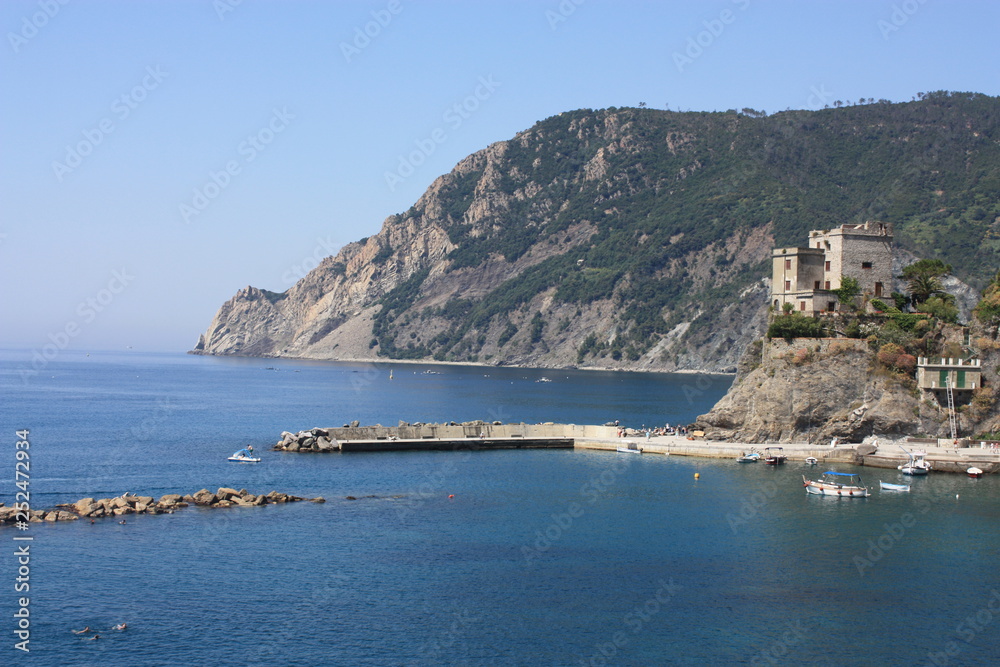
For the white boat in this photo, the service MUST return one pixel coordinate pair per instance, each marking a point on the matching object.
(752, 457)
(630, 448)
(811, 460)
(244, 456)
(885, 486)
(840, 484)
(974, 472)
(774, 456)
(915, 465)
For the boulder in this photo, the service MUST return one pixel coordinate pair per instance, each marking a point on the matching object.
(116, 503)
(67, 516)
(325, 445)
(51, 516)
(205, 497)
(141, 507)
(319, 432)
(260, 500)
(187, 499)
(83, 504)
(170, 499)
(355, 424)
(225, 493)
(223, 503)
(145, 500)
(90, 510)
(293, 446)
(308, 443)
(317, 499)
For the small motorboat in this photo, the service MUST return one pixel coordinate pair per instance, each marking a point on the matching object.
(974, 472)
(915, 464)
(630, 448)
(840, 484)
(774, 456)
(244, 456)
(752, 457)
(811, 460)
(885, 486)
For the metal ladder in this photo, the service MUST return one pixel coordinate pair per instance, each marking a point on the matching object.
(951, 410)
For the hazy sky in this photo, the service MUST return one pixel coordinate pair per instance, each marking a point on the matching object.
(156, 157)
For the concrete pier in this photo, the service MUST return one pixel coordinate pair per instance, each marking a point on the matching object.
(484, 435)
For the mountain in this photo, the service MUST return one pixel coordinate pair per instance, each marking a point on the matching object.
(634, 238)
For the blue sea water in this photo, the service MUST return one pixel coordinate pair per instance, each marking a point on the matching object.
(540, 558)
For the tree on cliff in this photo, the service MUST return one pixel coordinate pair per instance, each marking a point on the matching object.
(848, 291)
(988, 309)
(923, 279)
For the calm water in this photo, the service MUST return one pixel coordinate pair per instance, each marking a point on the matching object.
(541, 557)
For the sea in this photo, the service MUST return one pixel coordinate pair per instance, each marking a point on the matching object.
(515, 557)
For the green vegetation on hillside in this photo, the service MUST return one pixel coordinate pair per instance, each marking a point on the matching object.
(673, 197)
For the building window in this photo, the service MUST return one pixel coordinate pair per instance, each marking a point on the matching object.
(802, 305)
(826, 285)
(831, 306)
(815, 284)
(788, 285)
(866, 265)
(819, 245)
(827, 268)
(788, 264)
(878, 289)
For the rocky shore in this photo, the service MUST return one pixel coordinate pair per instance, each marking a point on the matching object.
(89, 508)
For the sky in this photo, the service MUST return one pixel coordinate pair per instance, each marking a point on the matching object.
(158, 156)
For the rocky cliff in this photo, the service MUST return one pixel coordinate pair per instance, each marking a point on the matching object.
(817, 389)
(630, 238)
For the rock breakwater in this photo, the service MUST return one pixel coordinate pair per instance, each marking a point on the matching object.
(119, 506)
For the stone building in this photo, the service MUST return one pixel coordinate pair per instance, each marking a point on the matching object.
(806, 277)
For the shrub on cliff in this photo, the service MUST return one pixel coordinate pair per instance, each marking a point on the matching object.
(795, 326)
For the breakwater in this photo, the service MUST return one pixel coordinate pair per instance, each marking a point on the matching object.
(495, 435)
(129, 503)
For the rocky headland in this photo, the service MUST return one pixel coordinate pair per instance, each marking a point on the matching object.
(814, 390)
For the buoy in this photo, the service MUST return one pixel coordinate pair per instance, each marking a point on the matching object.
(452, 495)
(697, 475)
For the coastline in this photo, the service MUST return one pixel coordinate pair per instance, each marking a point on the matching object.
(473, 364)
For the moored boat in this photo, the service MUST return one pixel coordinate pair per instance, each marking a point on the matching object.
(244, 456)
(630, 448)
(752, 457)
(974, 472)
(774, 456)
(885, 486)
(915, 464)
(811, 460)
(841, 484)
